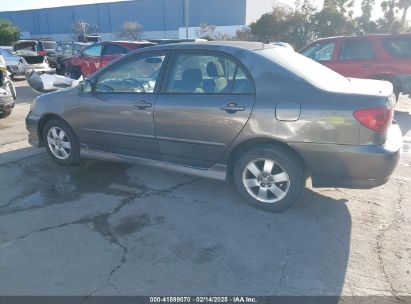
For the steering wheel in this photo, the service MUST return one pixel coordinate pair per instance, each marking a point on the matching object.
(137, 85)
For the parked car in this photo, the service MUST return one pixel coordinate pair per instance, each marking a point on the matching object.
(66, 50)
(16, 65)
(7, 91)
(99, 55)
(384, 57)
(259, 115)
(36, 53)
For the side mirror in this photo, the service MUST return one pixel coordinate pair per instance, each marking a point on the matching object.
(85, 86)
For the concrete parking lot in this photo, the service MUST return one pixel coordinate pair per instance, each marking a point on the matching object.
(113, 229)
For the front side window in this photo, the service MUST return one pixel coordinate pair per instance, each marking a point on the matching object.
(93, 51)
(208, 74)
(114, 50)
(136, 75)
(398, 47)
(356, 49)
(322, 51)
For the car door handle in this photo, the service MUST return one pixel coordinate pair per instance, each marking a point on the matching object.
(232, 108)
(365, 66)
(143, 105)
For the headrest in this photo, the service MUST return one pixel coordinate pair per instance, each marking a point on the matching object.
(215, 69)
(192, 76)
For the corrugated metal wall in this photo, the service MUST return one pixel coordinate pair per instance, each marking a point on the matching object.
(154, 15)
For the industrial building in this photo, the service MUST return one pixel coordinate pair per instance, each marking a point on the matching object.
(159, 18)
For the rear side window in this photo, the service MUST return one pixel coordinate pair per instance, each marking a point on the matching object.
(93, 51)
(356, 49)
(198, 73)
(47, 45)
(114, 50)
(399, 47)
(322, 51)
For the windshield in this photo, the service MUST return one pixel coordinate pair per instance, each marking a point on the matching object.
(306, 68)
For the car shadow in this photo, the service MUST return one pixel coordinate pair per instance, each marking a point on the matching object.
(404, 120)
(191, 236)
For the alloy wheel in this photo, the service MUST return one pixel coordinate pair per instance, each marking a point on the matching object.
(265, 180)
(59, 143)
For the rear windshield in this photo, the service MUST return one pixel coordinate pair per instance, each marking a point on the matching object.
(308, 69)
(27, 45)
(49, 45)
(398, 47)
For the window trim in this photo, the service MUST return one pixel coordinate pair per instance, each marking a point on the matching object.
(125, 60)
(374, 55)
(206, 52)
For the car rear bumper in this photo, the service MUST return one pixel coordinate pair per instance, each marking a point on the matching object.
(32, 126)
(352, 166)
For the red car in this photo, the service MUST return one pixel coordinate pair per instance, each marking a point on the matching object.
(385, 57)
(99, 55)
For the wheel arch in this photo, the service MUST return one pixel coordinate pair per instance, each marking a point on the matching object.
(252, 143)
(43, 120)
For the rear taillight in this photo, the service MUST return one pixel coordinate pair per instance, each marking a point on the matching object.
(42, 53)
(376, 119)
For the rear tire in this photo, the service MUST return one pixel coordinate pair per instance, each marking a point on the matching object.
(269, 177)
(61, 143)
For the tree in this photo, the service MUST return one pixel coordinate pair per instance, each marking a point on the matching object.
(206, 31)
(330, 22)
(286, 25)
(244, 34)
(404, 5)
(131, 31)
(8, 32)
(83, 28)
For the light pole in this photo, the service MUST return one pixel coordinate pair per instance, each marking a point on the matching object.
(186, 16)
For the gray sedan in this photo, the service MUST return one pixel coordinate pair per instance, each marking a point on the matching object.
(261, 116)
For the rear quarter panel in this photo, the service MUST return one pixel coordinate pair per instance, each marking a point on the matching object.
(326, 117)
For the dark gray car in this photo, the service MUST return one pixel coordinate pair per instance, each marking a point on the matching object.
(259, 115)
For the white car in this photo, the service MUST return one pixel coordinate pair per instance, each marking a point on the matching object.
(16, 65)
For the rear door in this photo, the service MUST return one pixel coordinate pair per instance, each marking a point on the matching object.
(357, 58)
(204, 104)
(111, 52)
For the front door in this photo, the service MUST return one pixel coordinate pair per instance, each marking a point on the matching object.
(117, 116)
(206, 102)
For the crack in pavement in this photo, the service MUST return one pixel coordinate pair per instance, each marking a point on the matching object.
(397, 219)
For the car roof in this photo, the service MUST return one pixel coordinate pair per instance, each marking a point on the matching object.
(365, 36)
(213, 45)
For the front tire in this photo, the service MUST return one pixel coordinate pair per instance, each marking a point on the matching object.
(61, 143)
(269, 177)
